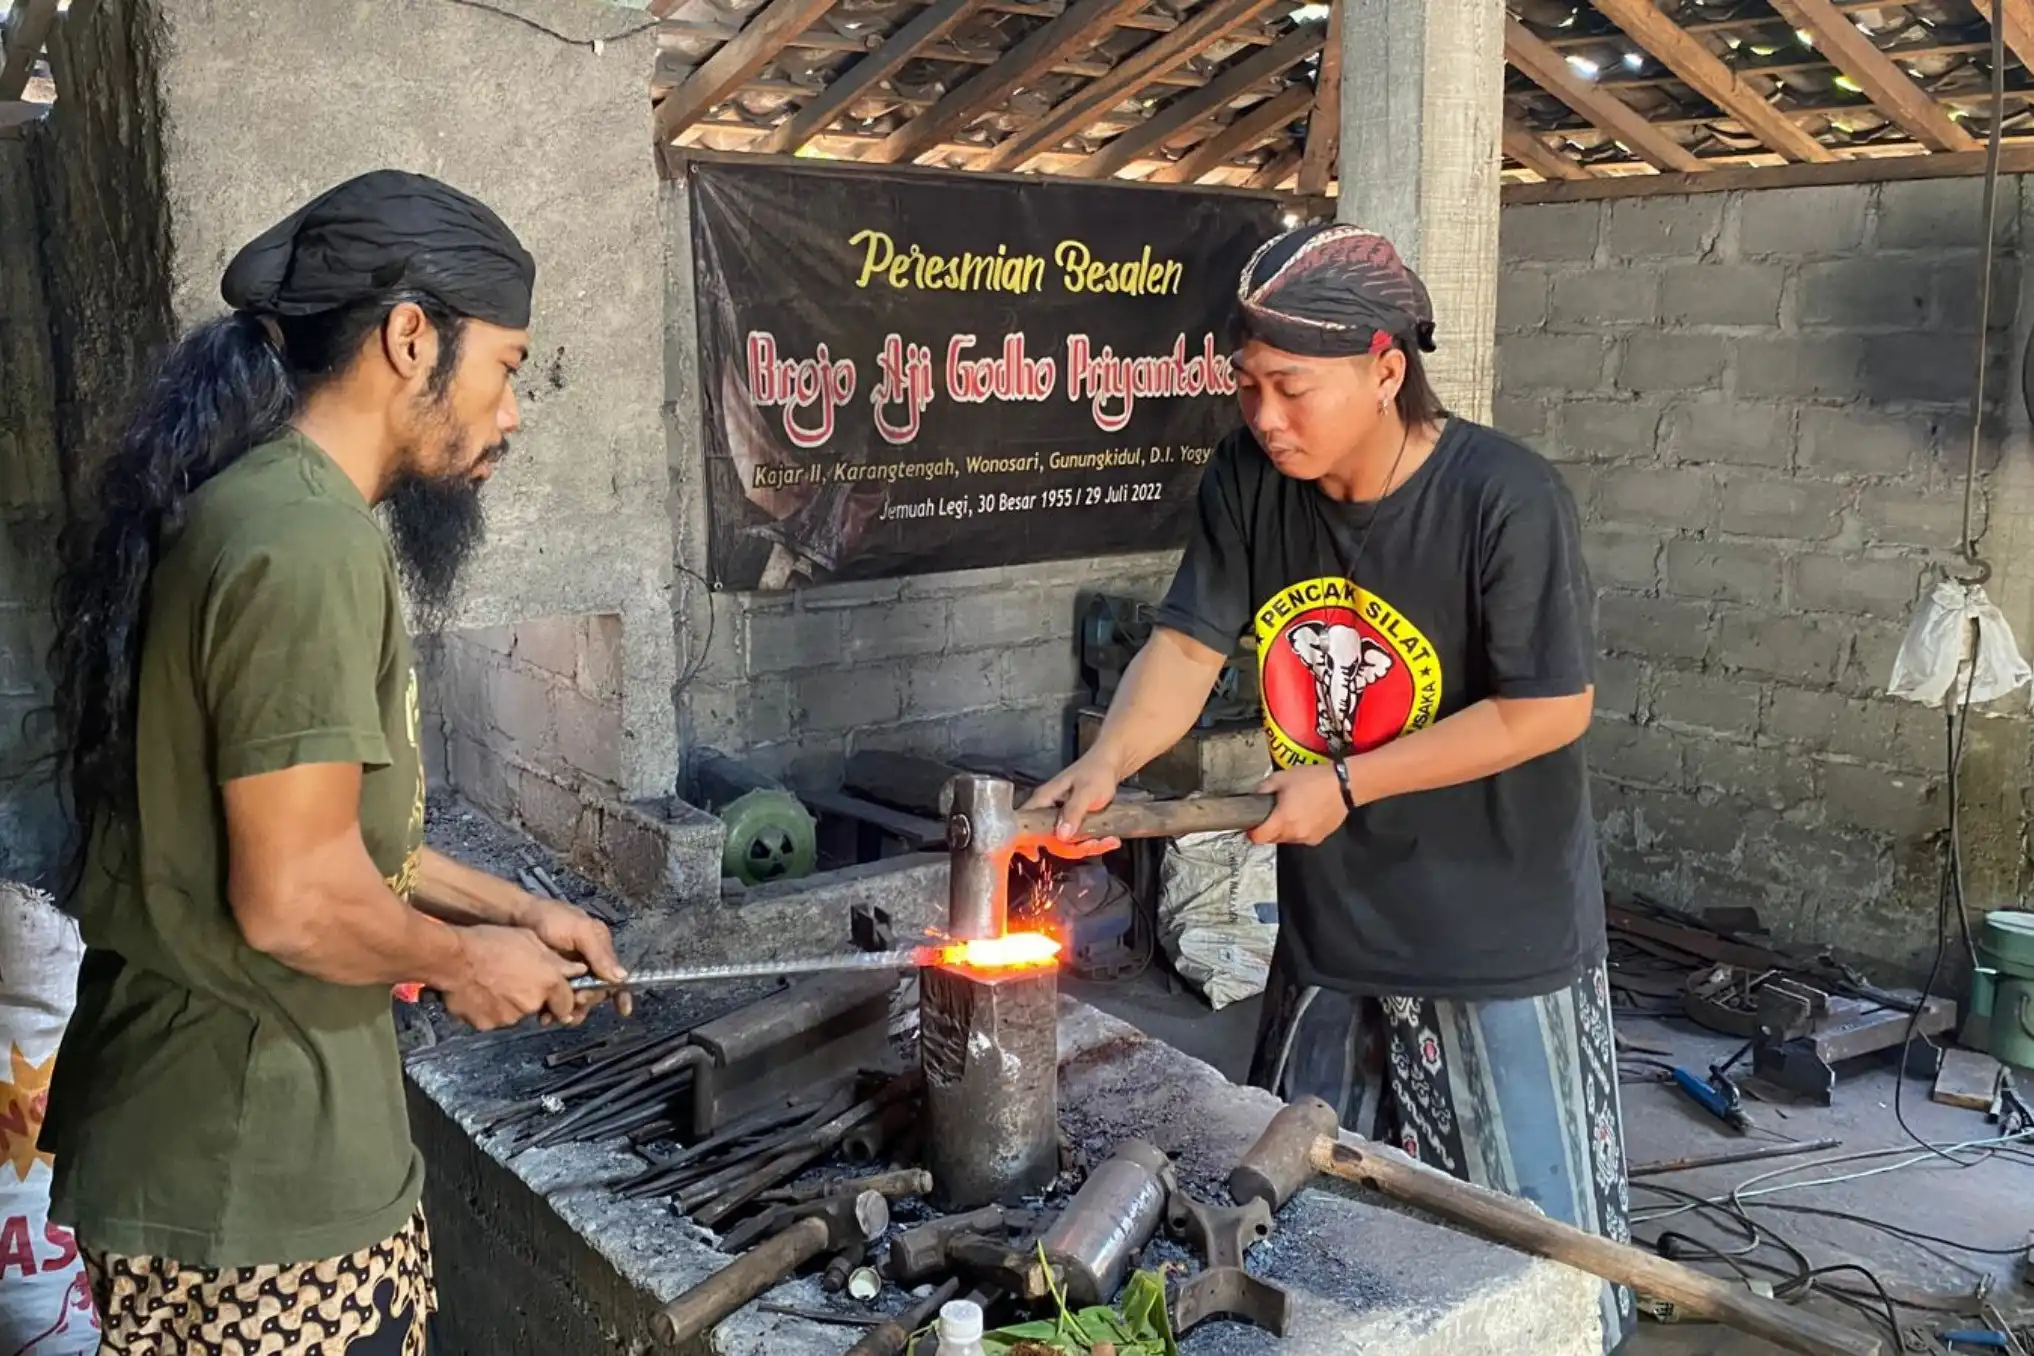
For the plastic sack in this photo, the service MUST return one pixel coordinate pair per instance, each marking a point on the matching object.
(1932, 664)
(45, 1301)
(1218, 913)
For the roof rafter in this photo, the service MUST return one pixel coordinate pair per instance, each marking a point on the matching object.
(1549, 70)
(932, 23)
(1203, 103)
(1033, 54)
(1702, 71)
(1277, 170)
(1890, 89)
(1525, 146)
(721, 74)
(1207, 25)
(1324, 123)
(2018, 16)
(1239, 136)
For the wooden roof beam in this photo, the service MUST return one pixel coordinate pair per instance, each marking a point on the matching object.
(1183, 112)
(1324, 123)
(1249, 130)
(1277, 170)
(2019, 26)
(1525, 146)
(28, 28)
(1203, 29)
(1033, 54)
(1704, 72)
(1891, 89)
(931, 24)
(721, 74)
(1549, 70)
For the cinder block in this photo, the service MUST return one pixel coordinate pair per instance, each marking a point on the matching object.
(1672, 362)
(1642, 755)
(1841, 442)
(1722, 294)
(1605, 297)
(1688, 825)
(1733, 571)
(828, 702)
(953, 683)
(1891, 733)
(899, 630)
(1941, 214)
(1017, 735)
(1776, 506)
(1581, 482)
(1653, 628)
(1549, 233)
(786, 642)
(929, 738)
(1767, 777)
(716, 716)
(1869, 665)
(1665, 227)
(1551, 362)
(1804, 222)
(1803, 716)
(520, 706)
(1041, 672)
(1715, 703)
(479, 774)
(1625, 560)
(1018, 616)
(1803, 649)
(1608, 430)
(590, 737)
(852, 596)
(25, 635)
(1656, 496)
(551, 812)
(1867, 585)
(1918, 369)
(599, 662)
(773, 709)
(1891, 803)
(1526, 419)
(1619, 682)
(1958, 291)
(1874, 293)
(547, 643)
(1911, 515)
(1521, 299)
(1732, 431)
(1828, 367)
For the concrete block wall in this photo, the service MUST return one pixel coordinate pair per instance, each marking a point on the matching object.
(1760, 401)
(31, 505)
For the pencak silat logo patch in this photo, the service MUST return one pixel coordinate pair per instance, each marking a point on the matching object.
(1340, 668)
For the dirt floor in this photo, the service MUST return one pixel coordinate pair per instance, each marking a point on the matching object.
(1987, 1208)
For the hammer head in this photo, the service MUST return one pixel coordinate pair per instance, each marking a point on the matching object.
(1277, 1165)
(981, 828)
(850, 1219)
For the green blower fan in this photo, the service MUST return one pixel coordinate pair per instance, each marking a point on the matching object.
(2002, 993)
(770, 836)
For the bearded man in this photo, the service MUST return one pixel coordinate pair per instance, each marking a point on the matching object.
(1416, 589)
(238, 726)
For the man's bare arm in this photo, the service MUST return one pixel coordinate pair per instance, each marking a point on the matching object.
(459, 894)
(1492, 736)
(304, 890)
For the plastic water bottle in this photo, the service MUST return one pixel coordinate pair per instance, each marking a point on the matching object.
(960, 1329)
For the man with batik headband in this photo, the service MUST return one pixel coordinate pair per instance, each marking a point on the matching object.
(1415, 586)
(238, 729)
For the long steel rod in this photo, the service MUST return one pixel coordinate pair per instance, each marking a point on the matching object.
(669, 977)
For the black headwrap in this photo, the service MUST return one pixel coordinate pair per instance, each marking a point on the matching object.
(1332, 291)
(383, 230)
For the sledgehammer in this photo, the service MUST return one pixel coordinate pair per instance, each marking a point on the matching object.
(1303, 1139)
(984, 828)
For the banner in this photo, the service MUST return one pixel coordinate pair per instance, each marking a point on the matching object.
(905, 373)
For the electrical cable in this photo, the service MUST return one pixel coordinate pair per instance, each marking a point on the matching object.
(594, 43)
(692, 669)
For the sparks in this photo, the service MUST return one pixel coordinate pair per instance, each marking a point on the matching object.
(1012, 951)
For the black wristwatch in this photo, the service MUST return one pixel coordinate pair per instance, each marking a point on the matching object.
(1342, 776)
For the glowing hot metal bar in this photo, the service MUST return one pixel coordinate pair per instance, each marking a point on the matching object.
(1017, 951)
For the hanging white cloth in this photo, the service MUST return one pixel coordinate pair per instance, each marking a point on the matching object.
(1934, 660)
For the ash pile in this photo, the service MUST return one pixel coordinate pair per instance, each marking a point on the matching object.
(898, 1141)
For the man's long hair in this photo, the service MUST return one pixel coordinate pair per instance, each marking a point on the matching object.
(222, 390)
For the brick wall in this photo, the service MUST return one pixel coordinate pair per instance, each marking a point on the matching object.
(1760, 401)
(31, 502)
(980, 664)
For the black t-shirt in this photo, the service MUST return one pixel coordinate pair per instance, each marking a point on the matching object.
(1375, 620)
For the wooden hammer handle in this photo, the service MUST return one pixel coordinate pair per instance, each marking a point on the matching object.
(1159, 818)
(1499, 1217)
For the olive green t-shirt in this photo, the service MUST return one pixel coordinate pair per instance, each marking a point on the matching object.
(210, 1104)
